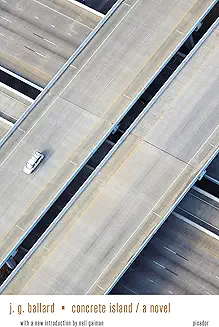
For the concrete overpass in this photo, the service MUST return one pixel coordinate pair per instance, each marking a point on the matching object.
(135, 191)
(92, 98)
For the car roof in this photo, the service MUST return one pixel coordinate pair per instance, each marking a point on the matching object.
(34, 157)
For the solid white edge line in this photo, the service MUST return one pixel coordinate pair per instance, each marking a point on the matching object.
(6, 121)
(208, 195)
(16, 92)
(21, 78)
(93, 11)
(202, 229)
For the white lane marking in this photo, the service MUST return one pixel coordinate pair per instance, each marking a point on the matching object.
(217, 277)
(128, 289)
(179, 32)
(40, 54)
(150, 280)
(126, 4)
(127, 96)
(142, 222)
(170, 292)
(49, 41)
(73, 66)
(3, 1)
(145, 39)
(74, 33)
(131, 32)
(53, 26)
(36, 17)
(69, 34)
(101, 287)
(20, 227)
(1, 34)
(158, 264)
(213, 146)
(110, 82)
(93, 11)
(157, 215)
(62, 14)
(20, 129)
(20, 9)
(96, 74)
(208, 293)
(169, 250)
(6, 19)
(45, 247)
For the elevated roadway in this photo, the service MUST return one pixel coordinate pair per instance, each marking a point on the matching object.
(38, 36)
(135, 191)
(85, 105)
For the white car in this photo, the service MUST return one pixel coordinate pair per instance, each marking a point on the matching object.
(33, 162)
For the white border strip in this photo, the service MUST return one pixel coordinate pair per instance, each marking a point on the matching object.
(212, 179)
(6, 121)
(21, 78)
(93, 11)
(202, 229)
(208, 195)
(21, 95)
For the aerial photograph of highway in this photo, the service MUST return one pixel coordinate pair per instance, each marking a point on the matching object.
(109, 147)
